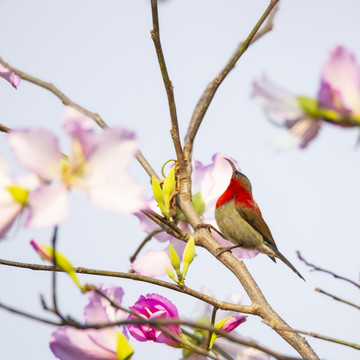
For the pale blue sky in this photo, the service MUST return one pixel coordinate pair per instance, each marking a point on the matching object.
(101, 55)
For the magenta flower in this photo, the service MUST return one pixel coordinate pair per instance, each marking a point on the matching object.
(9, 76)
(340, 83)
(209, 182)
(286, 109)
(152, 307)
(97, 166)
(68, 343)
(232, 322)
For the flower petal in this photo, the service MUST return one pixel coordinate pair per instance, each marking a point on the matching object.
(152, 263)
(340, 82)
(49, 206)
(147, 225)
(74, 344)
(280, 105)
(9, 214)
(99, 310)
(299, 134)
(106, 181)
(38, 151)
(9, 76)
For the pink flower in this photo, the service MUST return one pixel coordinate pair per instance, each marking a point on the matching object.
(286, 109)
(97, 165)
(340, 83)
(152, 307)
(26, 195)
(209, 182)
(9, 76)
(73, 344)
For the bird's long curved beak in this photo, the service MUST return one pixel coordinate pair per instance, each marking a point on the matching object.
(232, 164)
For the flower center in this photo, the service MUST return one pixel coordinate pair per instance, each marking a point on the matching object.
(73, 168)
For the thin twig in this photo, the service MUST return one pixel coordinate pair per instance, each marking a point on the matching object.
(212, 322)
(206, 98)
(4, 128)
(317, 268)
(201, 340)
(52, 88)
(337, 298)
(167, 225)
(29, 316)
(155, 35)
(246, 309)
(144, 242)
(68, 102)
(318, 336)
(156, 323)
(55, 308)
(146, 166)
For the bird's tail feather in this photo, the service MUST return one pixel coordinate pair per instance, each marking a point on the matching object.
(279, 255)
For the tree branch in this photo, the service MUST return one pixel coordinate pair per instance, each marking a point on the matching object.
(318, 336)
(246, 309)
(337, 298)
(52, 88)
(155, 35)
(206, 98)
(317, 268)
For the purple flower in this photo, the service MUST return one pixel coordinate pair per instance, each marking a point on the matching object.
(152, 307)
(285, 109)
(340, 83)
(209, 182)
(9, 76)
(68, 343)
(97, 165)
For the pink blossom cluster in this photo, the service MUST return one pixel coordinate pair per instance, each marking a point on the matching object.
(97, 167)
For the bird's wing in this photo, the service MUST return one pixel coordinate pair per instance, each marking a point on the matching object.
(257, 222)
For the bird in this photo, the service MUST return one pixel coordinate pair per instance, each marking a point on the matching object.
(240, 221)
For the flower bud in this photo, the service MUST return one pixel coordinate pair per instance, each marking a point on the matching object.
(168, 188)
(175, 260)
(158, 194)
(171, 274)
(47, 253)
(188, 256)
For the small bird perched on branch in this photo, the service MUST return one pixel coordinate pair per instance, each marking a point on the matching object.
(240, 221)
